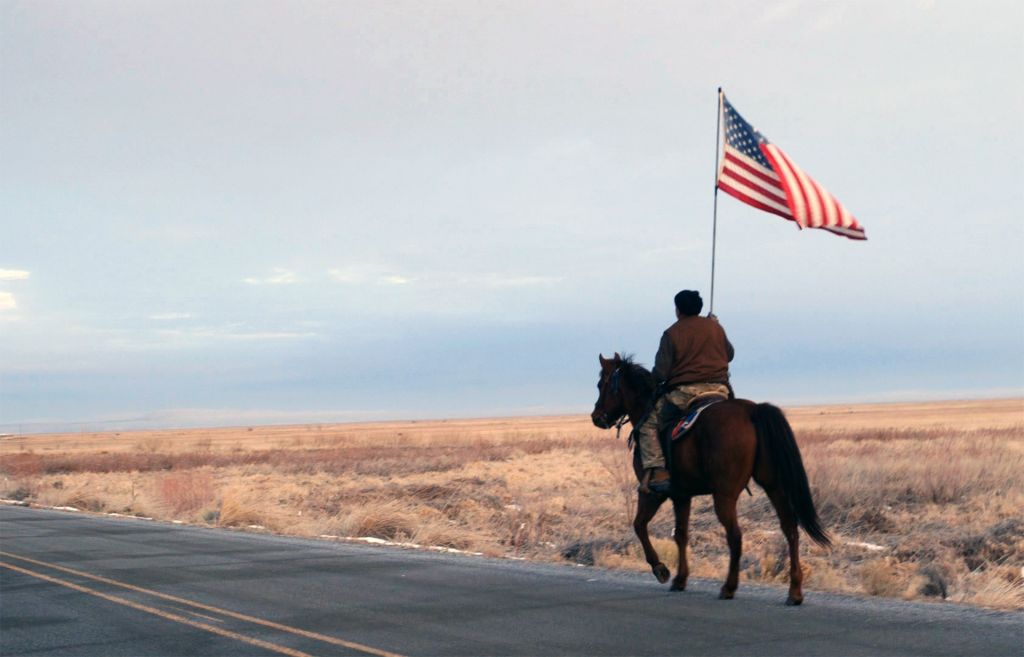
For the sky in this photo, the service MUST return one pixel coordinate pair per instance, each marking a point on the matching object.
(223, 213)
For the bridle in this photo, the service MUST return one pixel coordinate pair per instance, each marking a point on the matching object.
(613, 382)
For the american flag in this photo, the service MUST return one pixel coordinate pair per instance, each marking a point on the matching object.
(758, 173)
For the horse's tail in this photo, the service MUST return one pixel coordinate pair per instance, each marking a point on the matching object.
(776, 437)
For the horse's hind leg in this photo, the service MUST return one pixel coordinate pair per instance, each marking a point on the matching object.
(725, 509)
(647, 505)
(789, 528)
(681, 506)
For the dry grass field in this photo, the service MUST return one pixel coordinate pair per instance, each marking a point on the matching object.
(924, 499)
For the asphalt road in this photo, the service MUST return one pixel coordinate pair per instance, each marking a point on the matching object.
(73, 584)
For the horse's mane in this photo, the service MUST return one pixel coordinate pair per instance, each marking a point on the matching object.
(637, 377)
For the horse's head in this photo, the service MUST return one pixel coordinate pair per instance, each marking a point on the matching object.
(611, 402)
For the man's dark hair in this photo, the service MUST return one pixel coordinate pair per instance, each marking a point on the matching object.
(688, 302)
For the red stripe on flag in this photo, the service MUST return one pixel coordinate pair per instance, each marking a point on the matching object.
(795, 201)
(773, 192)
(817, 202)
(829, 204)
(846, 220)
(732, 191)
(822, 222)
(808, 217)
(729, 157)
(801, 206)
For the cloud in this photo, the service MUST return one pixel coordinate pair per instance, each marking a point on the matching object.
(829, 18)
(378, 275)
(368, 274)
(7, 301)
(497, 280)
(776, 11)
(347, 275)
(14, 274)
(278, 276)
(184, 336)
(170, 316)
(162, 338)
(260, 335)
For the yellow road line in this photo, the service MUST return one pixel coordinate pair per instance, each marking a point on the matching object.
(198, 605)
(284, 650)
(196, 613)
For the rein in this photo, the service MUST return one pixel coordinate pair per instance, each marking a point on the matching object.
(618, 425)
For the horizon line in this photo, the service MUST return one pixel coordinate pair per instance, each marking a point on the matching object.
(45, 427)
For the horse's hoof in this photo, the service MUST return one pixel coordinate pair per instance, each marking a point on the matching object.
(661, 572)
(792, 601)
(726, 594)
(678, 585)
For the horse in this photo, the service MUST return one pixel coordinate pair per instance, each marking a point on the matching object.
(731, 442)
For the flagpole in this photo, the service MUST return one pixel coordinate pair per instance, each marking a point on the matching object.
(714, 221)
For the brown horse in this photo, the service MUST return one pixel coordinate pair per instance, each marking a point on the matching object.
(731, 442)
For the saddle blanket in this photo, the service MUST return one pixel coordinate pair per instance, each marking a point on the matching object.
(691, 417)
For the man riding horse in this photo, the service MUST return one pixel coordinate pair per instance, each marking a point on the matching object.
(730, 444)
(693, 361)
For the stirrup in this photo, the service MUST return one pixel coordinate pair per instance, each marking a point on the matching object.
(660, 487)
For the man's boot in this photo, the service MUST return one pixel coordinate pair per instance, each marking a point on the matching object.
(656, 480)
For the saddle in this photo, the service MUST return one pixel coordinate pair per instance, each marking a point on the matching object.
(675, 421)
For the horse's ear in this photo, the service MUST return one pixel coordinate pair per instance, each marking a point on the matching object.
(602, 359)
(617, 358)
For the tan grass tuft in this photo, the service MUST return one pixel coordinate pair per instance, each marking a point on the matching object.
(182, 492)
(392, 520)
(992, 589)
(886, 577)
(238, 510)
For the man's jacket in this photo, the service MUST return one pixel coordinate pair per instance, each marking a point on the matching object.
(693, 350)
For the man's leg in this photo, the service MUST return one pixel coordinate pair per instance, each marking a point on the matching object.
(681, 396)
(655, 478)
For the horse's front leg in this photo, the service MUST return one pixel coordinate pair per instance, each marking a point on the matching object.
(647, 504)
(681, 505)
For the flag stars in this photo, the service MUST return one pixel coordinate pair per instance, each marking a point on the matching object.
(741, 136)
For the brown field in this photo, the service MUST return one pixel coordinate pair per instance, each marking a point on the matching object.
(924, 499)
